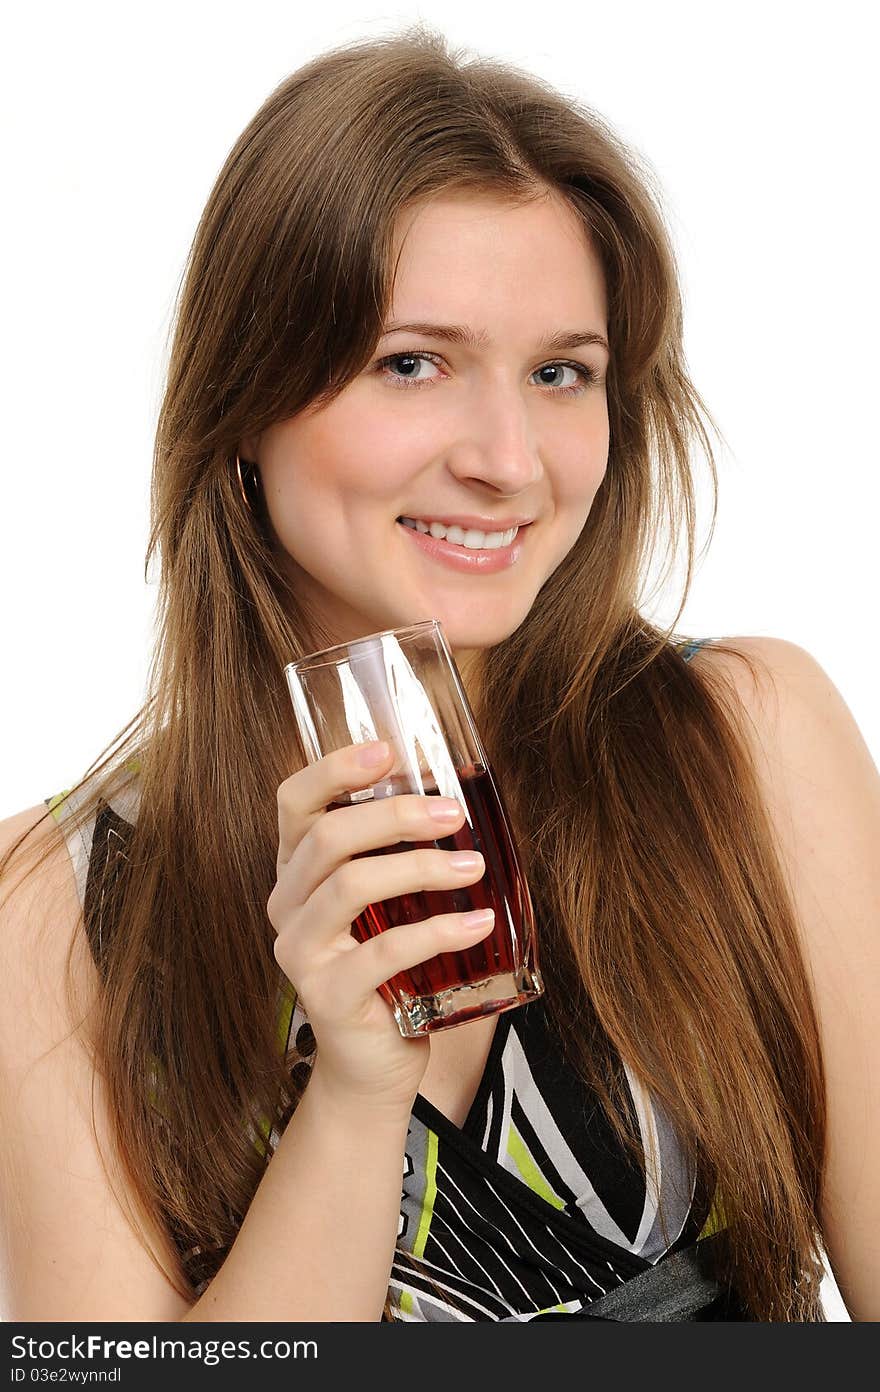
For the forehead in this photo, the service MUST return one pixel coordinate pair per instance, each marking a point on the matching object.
(471, 252)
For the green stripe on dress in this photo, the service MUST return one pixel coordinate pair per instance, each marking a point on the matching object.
(54, 803)
(716, 1219)
(522, 1158)
(430, 1195)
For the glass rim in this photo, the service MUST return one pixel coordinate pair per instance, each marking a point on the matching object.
(327, 656)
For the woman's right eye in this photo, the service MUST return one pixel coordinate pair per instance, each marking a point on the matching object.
(407, 360)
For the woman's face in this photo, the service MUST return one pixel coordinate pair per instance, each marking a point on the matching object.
(505, 428)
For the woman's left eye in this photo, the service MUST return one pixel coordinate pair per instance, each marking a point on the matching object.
(585, 376)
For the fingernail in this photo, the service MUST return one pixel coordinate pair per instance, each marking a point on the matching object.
(443, 811)
(371, 754)
(465, 860)
(478, 919)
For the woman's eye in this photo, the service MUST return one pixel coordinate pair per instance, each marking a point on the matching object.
(403, 370)
(406, 365)
(578, 373)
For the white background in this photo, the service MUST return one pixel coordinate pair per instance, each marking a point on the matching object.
(761, 126)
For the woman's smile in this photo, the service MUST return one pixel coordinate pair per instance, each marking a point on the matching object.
(457, 554)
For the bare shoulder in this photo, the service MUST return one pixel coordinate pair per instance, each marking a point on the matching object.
(67, 1250)
(755, 669)
(39, 908)
(810, 753)
(822, 791)
(36, 821)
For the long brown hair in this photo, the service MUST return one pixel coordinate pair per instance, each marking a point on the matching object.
(666, 925)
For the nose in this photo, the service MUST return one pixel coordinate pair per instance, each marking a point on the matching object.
(496, 443)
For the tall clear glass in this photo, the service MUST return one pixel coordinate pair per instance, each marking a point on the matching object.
(403, 686)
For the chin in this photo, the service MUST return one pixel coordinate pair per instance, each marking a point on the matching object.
(479, 636)
(468, 625)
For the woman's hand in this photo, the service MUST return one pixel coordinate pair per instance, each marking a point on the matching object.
(320, 890)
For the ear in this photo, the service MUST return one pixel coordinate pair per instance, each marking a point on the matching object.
(248, 448)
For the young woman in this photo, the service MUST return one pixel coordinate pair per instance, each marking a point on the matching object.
(429, 293)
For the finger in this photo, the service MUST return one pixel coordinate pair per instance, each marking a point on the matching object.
(337, 836)
(355, 884)
(304, 796)
(409, 944)
(346, 984)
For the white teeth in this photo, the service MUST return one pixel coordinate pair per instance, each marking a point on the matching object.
(473, 539)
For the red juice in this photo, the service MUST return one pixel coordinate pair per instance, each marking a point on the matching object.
(507, 949)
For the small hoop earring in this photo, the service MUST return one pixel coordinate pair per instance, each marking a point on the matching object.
(252, 475)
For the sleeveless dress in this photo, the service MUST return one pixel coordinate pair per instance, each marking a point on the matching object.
(531, 1207)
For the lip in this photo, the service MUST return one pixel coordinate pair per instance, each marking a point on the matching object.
(470, 519)
(483, 561)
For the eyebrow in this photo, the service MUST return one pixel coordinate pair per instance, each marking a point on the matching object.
(458, 333)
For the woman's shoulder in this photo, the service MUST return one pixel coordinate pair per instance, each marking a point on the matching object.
(751, 671)
(95, 820)
(821, 789)
(733, 652)
(42, 884)
(34, 866)
(47, 881)
(784, 699)
(42, 956)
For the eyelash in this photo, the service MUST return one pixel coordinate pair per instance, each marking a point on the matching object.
(588, 375)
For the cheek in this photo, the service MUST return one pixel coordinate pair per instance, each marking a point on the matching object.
(348, 451)
(575, 447)
(581, 476)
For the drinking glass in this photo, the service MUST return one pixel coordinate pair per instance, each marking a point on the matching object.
(402, 685)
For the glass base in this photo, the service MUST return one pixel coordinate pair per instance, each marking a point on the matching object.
(418, 1015)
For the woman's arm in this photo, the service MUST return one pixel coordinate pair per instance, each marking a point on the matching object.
(823, 792)
(317, 1241)
(66, 1250)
